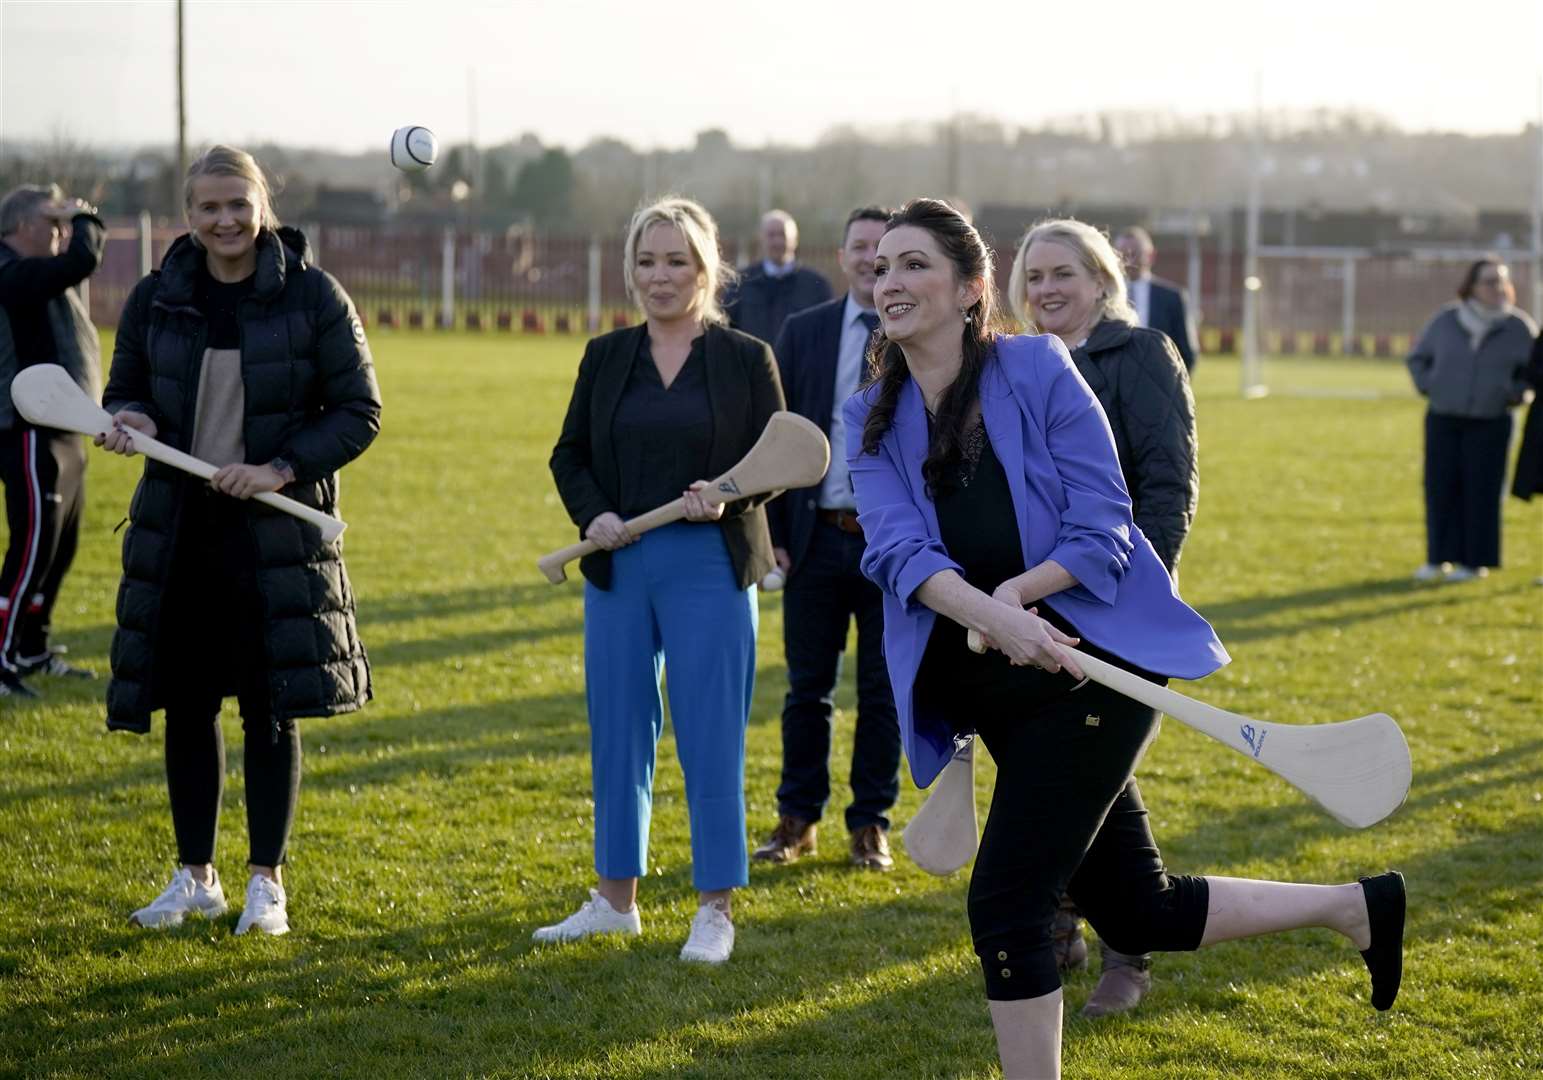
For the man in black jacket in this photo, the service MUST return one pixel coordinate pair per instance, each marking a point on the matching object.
(1160, 304)
(819, 546)
(776, 287)
(43, 320)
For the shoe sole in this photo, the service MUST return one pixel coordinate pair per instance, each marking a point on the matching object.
(178, 921)
(243, 930)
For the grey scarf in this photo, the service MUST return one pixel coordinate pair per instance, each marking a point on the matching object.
(1479, 319)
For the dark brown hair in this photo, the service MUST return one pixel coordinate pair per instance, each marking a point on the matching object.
(864, 213)
(1465, 290)
(971, 259)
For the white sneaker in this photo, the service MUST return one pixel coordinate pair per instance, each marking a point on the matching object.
(1467, 573)
(712, 937)
(1430, 572)
(595, 916)
(265, 907)
(184, 896)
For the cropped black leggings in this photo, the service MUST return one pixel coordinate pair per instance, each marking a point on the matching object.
(1066, 815)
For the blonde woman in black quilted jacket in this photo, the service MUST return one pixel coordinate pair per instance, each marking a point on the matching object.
(1067, 280)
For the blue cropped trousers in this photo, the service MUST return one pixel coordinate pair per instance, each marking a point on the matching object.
(673, 603)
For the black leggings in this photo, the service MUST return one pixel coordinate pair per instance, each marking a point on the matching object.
(195, 777)
(1066, 815)
(212, 647)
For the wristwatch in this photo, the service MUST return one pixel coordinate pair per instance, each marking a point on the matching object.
(283, 468)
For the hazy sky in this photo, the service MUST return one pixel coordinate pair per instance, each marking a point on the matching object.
(344, 74)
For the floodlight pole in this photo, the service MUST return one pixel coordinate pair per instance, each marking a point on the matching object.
(182, 114)
(1537, 218)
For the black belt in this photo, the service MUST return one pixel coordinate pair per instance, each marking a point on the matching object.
(845, 520)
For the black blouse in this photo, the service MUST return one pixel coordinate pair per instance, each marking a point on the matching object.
(980, 530)
(662, 434)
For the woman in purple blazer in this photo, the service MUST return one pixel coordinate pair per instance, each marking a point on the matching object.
(990, 494)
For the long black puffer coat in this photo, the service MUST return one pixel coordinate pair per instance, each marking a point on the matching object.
(1140, 381)
(312, 399)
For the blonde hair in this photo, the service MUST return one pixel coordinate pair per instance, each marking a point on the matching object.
(701, 233)
(1094, 252)
(220, 160)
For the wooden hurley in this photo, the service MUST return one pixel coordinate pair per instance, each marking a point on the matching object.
(792, 452)
(47, 396)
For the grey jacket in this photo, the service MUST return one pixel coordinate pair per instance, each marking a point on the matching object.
(1138, 378)
(1460, 382)
(53, 284)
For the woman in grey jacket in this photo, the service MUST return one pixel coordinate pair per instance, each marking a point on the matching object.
(1470, 362)
(1067, 280)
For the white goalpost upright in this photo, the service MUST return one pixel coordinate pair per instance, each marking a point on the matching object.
(1252, 379)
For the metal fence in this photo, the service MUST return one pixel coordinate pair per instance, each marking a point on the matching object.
(1327, 301)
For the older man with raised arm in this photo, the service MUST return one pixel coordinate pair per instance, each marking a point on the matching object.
(43, 320)
(821, 354)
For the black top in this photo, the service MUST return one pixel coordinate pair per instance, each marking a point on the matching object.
(662, 434)
(219, 302)
(743, 392)
(980, 530)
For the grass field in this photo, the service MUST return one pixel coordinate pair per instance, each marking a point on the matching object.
(444, 822)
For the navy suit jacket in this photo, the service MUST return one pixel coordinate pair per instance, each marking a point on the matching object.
(807, 350)
(1170, 314)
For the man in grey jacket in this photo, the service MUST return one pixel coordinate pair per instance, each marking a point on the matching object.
(43, 320)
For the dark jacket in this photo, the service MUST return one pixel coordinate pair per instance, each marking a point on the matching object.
(759, 304)
(43, 316)
(808, 350)
(1529, 459)
(1169, 312)
(311, 399)
(743, 389)
(1140, 381)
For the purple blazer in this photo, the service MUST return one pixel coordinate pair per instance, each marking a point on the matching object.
(1072, 507)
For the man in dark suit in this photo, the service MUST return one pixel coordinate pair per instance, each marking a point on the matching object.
(818, 545)
(777, 286)
(1160, 304)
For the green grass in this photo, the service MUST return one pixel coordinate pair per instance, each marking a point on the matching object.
(444, 822)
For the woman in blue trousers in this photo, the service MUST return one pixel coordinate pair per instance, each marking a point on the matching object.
(657, 408)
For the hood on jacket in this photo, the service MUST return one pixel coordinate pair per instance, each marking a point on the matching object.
(280, 252)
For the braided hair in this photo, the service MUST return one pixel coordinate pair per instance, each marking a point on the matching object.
(971, 259)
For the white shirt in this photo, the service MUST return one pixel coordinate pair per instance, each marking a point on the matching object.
(1141, 300)
(777, 270)
(836, 488)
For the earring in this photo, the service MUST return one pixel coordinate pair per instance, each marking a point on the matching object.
(966, 313)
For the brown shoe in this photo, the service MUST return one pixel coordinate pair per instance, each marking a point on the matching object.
(1071, 951)
(792, 839)
(1125, 981)
(870, 848)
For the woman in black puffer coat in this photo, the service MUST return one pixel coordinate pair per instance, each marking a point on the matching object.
(1068, 281)
(242, 353)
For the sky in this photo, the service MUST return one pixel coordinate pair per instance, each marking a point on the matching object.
(343, 75)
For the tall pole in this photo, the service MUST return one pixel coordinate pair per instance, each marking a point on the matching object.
(1537, 218)
(1252, 385)
(182, 114)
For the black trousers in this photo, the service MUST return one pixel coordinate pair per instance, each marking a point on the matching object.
(1067, 816)
(826, 592)
(1465, 463)
(211, 647)
(44, 472)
